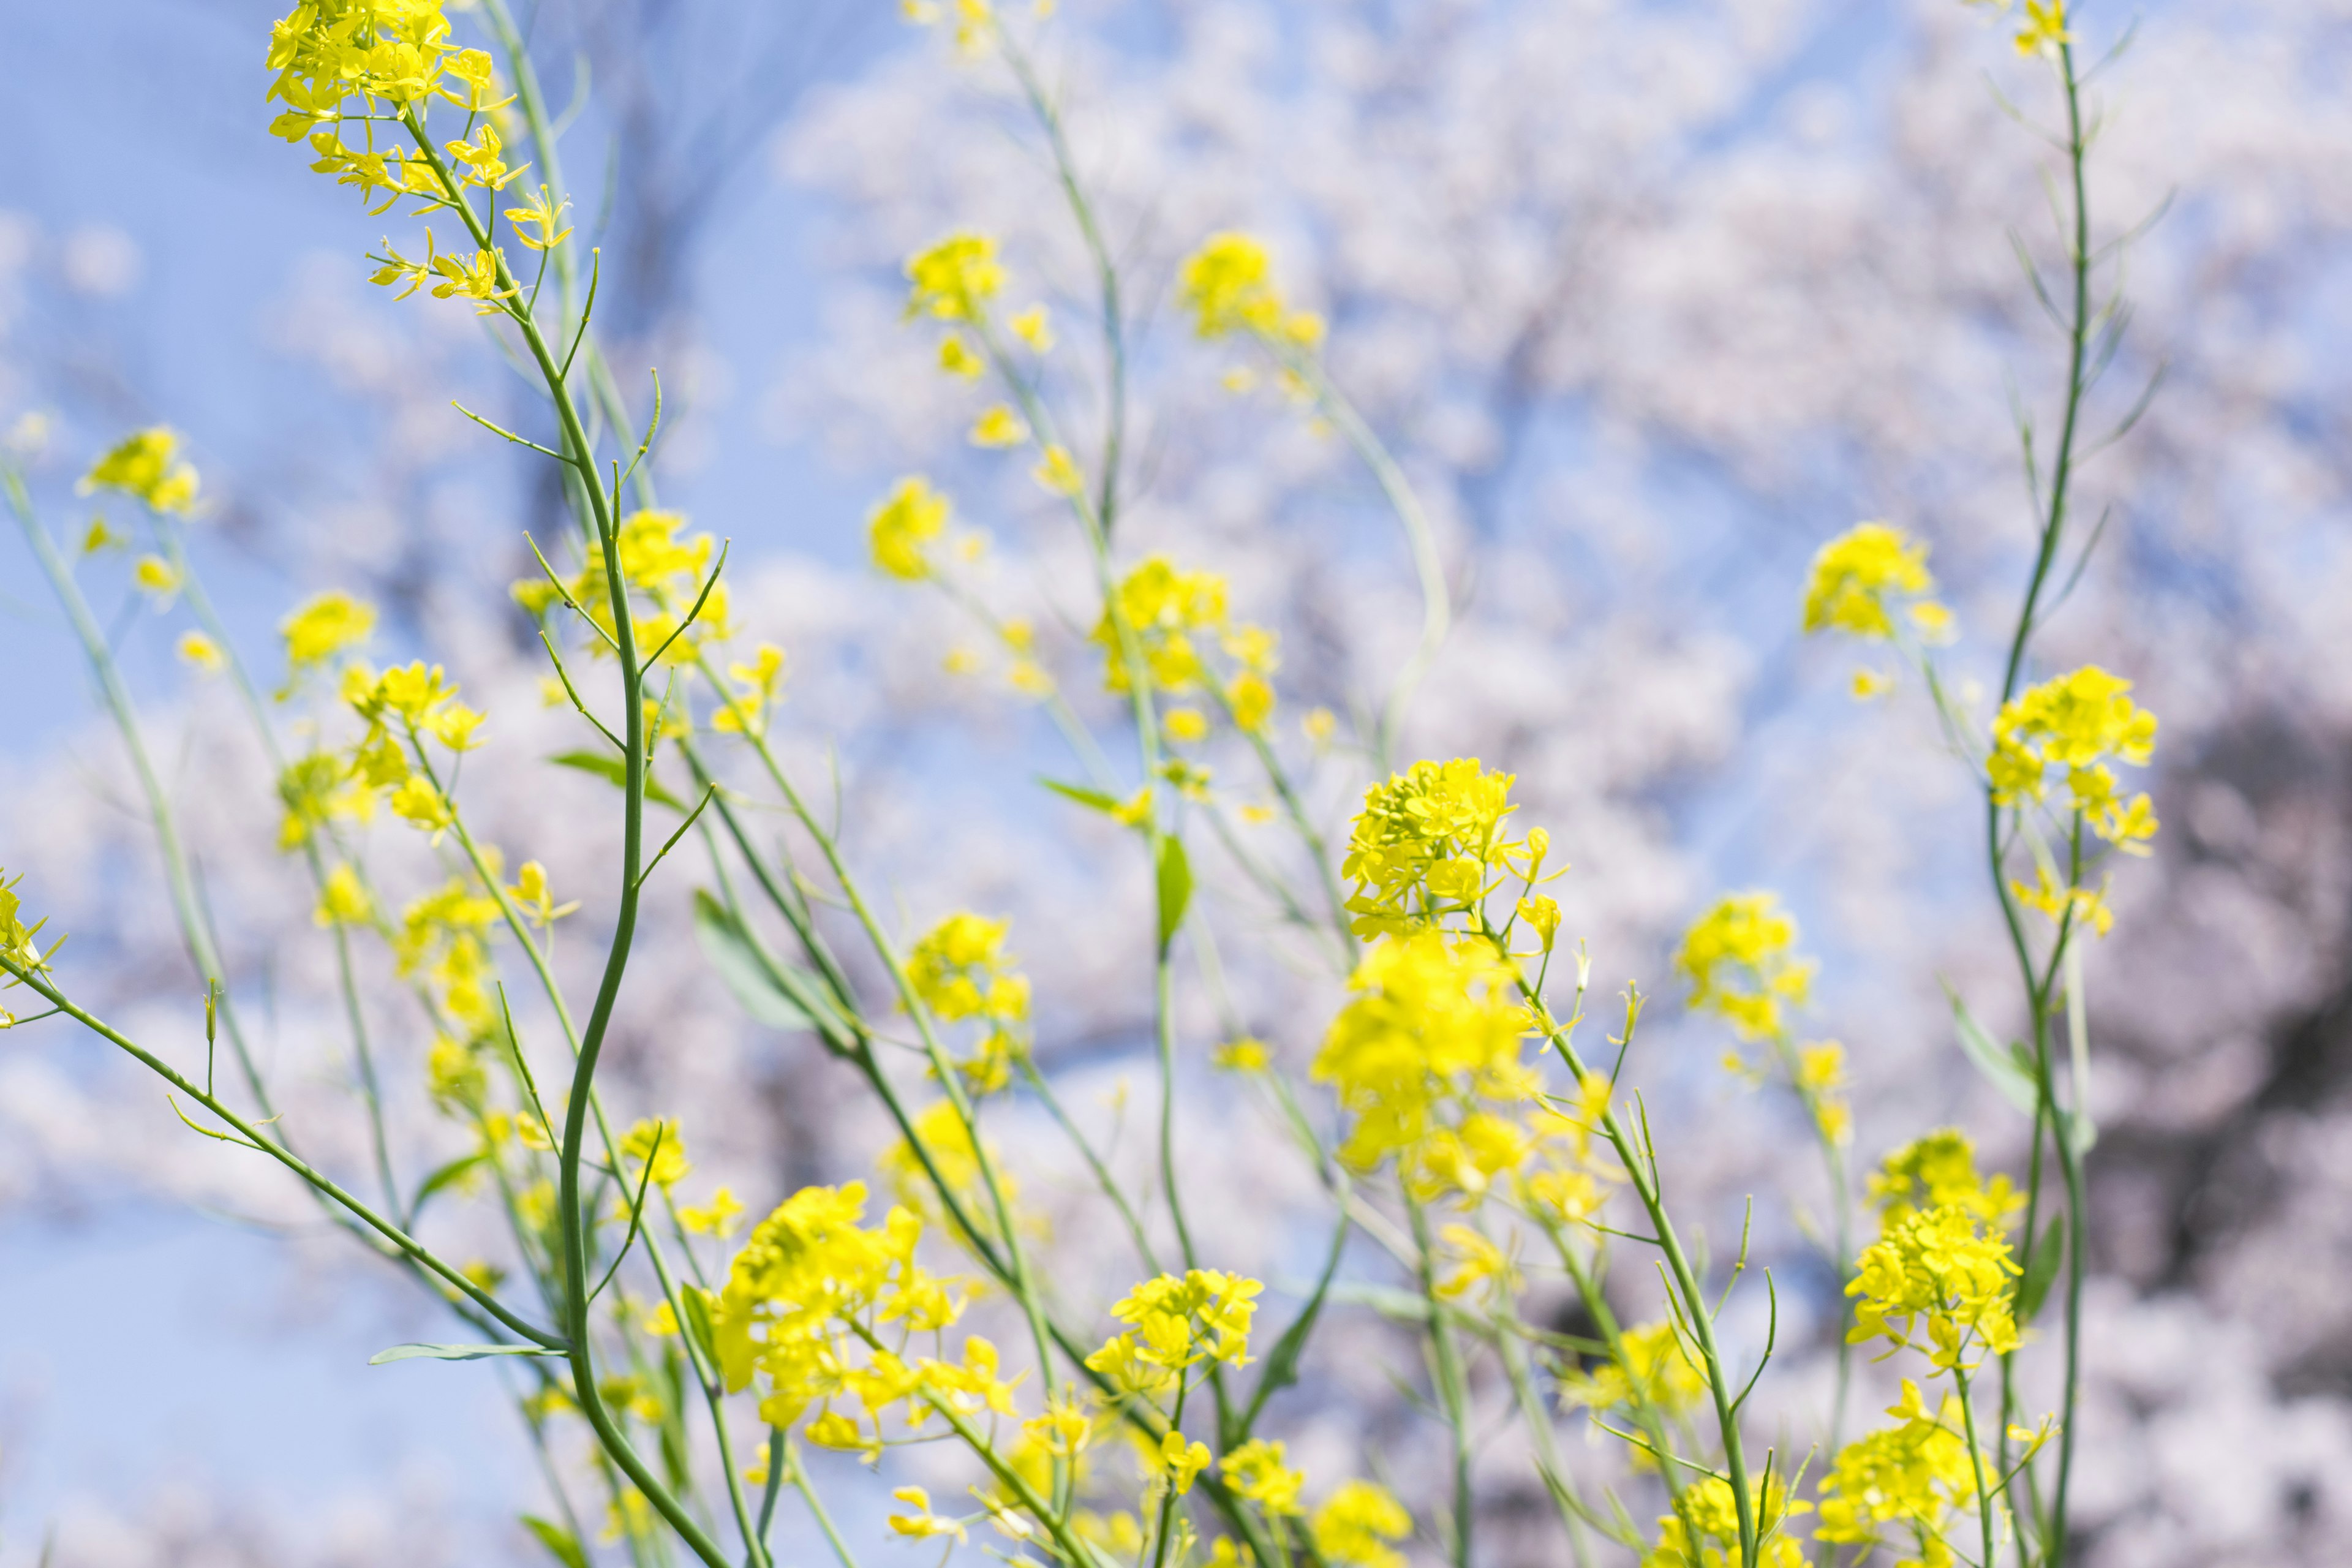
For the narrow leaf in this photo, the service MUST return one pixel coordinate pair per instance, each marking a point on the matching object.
(1282, 1362)
(557, 1540)
(1175, 887)
(1092, 799)
(454, 1353)
(455, 1171)
(2034, 1289)
(697, 1305)
(730, 952)
(2000, 1068)
(615, 772)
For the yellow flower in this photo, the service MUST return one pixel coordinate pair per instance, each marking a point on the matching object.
(1854, 574)
(960, 969)
(2078, 723)
(455, 726)
(1427, 841)
(1742, 965)
(1432, 1022)
(954, 280)
(1176, 1462)
(324, 626)
(535, 222)
(1245, 1054)
(1165, 610)
(1185, 724)
(1057, 472)
(757, 683)
(659, 1141)
(1478, 1261)
(920, 1522)
(717, 1217)
(999, 427)
(1652, 1368)
(1256, 1472)
(1253, 699)
(418, 801)
(1033, 327)
(1355, 1524)
(1915, 1475)
(2085, 907)
(530, 893)
(1225, 287)
(201, 653)
(1940, 1264)
(902, 526)
(141, 466)
(1940, 1171)
(957, 359)
(342, 900)
(156, 578)
(2044, 32)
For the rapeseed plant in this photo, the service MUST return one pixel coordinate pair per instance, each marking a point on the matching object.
(1468, 1134)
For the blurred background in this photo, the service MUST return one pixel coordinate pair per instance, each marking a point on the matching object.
(1651, 298)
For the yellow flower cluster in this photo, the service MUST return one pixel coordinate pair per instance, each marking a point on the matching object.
(1176, 1324)
(1652, 1368)
(655, 560)
(1913, 1475)
(1857, 574)
(19, 943)
(1703, 1529)
(905, 525)
(445, 936)
(1356, 1524)
(1741, 960)
(1942, 1263)
(142, 466)
(1256, 1473)
(1428, 843)
(325, 626)
(1167, 608)
(960, 969)
(1940, 1171)
(809, 1278)
(1434, 1026)
(2078, 723)
(1227, 285)
(954, 280)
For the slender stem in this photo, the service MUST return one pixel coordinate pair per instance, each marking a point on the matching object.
(1985, 1505)
(1446, 1372)
(251, 1132)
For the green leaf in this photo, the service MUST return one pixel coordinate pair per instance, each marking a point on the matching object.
(454, 1353)
(2000, 1068)
(612, 771)
(729, 948)
(557, 1540)
(1092, 799)
(1282, 1362)
(455, 1171)
(697, 1303)
(2034, 1289)
(1175, 887)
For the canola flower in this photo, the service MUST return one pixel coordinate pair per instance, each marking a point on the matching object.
(822, 1319)
(1909, 1480)
(1864, 576)
(1428, 843)
(146, 465)
(1741, 961)
(2078, 724)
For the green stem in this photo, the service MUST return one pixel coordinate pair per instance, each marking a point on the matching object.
(1452, 1393)
(251, 1132)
